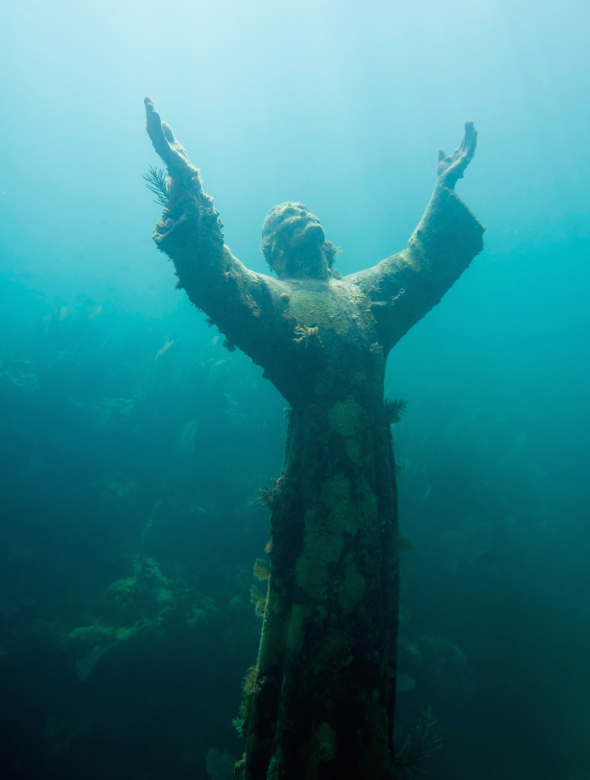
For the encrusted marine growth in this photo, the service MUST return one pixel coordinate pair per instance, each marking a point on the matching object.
(320, 702)
(269, 497)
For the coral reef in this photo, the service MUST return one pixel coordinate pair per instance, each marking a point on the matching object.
(134, 606)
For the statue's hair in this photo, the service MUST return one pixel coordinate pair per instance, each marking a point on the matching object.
(331, 250)
(271, 245)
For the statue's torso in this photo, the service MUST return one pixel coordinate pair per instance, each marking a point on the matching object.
(329, 350)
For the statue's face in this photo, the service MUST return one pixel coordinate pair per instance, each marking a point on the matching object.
(294, 243)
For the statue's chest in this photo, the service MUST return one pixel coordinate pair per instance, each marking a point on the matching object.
(333, 340)
(339, 311)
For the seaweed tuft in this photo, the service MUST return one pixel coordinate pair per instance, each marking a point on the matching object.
(157, 183)
(408, 759)
(394, 409)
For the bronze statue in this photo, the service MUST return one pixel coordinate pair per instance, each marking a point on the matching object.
(320, 701)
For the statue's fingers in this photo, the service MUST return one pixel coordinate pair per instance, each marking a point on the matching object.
(469, 139)
(441, 156)
(168, 133)
(156, 132)
(172, 153)
(152, 118)
(175, 145)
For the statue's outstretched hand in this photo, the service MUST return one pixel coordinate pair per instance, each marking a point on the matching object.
(172, 153)
(450, 169)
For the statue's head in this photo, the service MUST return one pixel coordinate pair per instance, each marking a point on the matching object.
(294, 243)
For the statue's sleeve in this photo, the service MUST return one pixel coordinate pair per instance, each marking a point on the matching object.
(243, 304)
(405, 287)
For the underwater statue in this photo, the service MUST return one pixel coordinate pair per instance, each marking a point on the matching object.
(320, 701)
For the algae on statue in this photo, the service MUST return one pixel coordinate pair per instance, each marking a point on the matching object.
(320, 702)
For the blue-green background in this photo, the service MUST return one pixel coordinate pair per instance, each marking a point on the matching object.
(340, 105)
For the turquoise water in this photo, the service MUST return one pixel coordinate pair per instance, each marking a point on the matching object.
(133, 445)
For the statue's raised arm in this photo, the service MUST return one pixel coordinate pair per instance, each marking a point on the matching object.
(243, 304)
(404, 287)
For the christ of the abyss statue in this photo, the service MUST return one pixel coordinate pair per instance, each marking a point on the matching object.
(320, 702)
